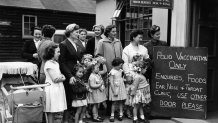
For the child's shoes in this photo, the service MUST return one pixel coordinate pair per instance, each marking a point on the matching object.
(120, 118)
(111, 119)
(135, 121)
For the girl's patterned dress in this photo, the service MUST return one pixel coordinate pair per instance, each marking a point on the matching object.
(97, 95)
(119, 87)
(141, 90)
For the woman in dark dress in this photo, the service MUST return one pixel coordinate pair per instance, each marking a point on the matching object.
(154, 35)
(92, 42)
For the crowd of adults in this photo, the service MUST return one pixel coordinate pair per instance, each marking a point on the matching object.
(72, 49)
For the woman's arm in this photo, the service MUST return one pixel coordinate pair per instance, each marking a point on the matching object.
(63, 61)
(54, 75)
(104, 70)
(126, 62)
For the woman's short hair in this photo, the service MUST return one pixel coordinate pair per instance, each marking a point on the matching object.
(99, 26)
(83, 30)
(48, 31)
(153, 30)
(50, 51)
(135, 33)
(35, 28)
(117, 61)
(108, 29)
(70, 28)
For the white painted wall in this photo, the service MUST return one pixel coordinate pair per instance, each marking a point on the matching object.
(160, 18)
(179, 25)
(104, 11)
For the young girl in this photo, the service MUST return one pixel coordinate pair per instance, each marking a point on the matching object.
(55, 93)
(141, 91)
(97, 94)
(117, 92)
(79, 96)
(87, 63)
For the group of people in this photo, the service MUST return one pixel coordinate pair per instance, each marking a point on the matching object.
(86, 73)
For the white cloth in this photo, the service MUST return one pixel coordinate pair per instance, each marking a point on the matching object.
(129, 51)
(73, 43)
(55, 93)
(27, 68)
(79, 103)
(36, 43)
(83, 43)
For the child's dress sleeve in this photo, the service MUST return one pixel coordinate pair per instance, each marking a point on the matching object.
(48, 65)
(54, 68)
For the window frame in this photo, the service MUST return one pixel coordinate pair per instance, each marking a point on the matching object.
(138, 16)
(23, 23)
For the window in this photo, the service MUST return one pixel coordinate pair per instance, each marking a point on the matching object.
(131, 18)
(28, 21)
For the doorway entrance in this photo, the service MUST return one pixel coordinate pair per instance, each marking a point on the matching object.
(205, 34)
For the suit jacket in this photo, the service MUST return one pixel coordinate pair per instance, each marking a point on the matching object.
(29, 48)
(90, 47)
(83, 49)
(69, 57)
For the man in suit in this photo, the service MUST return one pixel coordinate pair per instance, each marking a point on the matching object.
(71, 53)
(82, 40)
(29, 51)
(47, 32)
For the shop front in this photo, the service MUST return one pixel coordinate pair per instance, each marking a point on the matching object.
(188, 23)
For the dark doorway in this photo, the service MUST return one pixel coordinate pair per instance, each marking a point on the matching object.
(205, 34)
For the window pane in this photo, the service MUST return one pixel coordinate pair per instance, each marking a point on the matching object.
(32, 19)
(32, 25)
(26, 19)
(26, 32)
(26, 25)
(136, 18)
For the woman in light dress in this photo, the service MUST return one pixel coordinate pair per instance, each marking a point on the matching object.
(55, 93)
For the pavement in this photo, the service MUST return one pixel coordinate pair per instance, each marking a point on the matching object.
(212, 117)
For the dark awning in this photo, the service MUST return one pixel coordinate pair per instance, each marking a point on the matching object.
(119, 7)
(79, 6)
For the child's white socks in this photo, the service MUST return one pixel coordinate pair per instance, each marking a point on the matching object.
(142, 117)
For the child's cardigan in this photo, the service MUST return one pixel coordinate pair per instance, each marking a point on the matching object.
(79, 90)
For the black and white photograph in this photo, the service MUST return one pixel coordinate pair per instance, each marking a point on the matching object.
(105, 61)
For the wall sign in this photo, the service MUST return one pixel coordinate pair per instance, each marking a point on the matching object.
(5, 23)
(152, 3)
(179, 82)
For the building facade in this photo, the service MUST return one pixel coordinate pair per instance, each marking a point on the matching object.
(190, 23)
(17, 18)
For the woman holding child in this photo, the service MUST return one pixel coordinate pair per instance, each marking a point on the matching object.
(131, 53)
